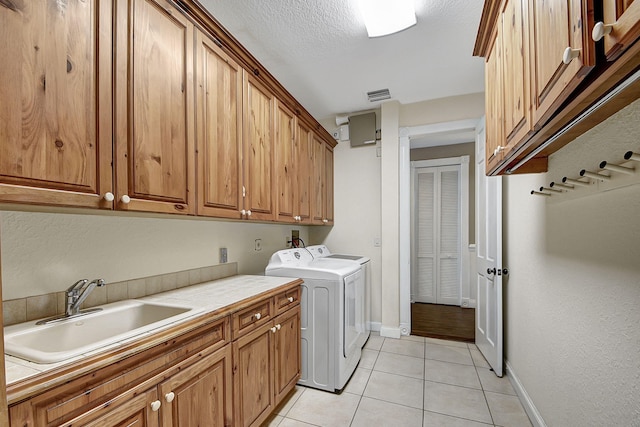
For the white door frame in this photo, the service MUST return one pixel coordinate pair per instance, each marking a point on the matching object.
(404, 194)
(463, 162)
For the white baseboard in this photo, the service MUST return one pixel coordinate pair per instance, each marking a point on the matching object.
(389, 332)
(525, 399)
(375, 326)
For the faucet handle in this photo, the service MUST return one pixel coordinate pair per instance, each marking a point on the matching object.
(80, 283)
(98, 282)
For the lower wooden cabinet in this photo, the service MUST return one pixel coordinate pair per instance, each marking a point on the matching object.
(266, 367)
(200, 378)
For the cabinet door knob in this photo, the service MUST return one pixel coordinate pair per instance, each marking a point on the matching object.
(290, 299)
(570, 54)
(278, 326)
(249, 213)
(257, 316)
(169, 396)
(600, 30)
(109, 197)
(273, 329)
(125, 199)
(325, 220)
(155, 405)
(243, 212)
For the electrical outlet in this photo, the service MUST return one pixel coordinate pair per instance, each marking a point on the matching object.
(258, 246)
(295, 236)
(223, 255)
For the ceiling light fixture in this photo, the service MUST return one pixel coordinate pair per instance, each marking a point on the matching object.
(383, 17)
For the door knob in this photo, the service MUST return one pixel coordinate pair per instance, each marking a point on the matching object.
(505, 271)
(491, 270)
(169, 396)
(570, 54)
(155, 405)
(600, 30)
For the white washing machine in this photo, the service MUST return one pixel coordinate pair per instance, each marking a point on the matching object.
(321, 251)
(329, 309)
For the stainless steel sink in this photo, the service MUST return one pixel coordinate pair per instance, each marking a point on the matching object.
(62, 340)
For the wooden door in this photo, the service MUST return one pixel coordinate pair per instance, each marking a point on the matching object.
(135, 412)
(286, 169)
(287, 353)
(624, 15)
(219, 110)
(55, 103)
(494, 104)
(328, 187)
(259, 178)
(304, 176)
(201, 394)
(556, 25)
(253, 370)
(515, 57)
(319, 181)
(154, 105)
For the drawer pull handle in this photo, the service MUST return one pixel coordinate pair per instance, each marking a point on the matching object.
(169, 397)
(273, 329)
(155, 405)
(257, 316)
(290, 299)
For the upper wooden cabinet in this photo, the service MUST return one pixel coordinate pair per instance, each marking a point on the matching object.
(562, 52)
(111, 105)
(304, 181)
(219, 112)
(543, 71)
(55, 103)
(259, 178)
(322, 205)
(286, 165)
(154, 105)
(620, 26)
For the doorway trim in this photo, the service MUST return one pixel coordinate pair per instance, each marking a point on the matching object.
(404, 195)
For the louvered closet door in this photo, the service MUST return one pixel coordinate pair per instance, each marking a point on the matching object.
(436, 277)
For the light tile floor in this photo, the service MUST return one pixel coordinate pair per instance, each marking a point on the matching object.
(412, 381)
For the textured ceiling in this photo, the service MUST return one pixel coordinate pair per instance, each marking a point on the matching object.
(320, 52)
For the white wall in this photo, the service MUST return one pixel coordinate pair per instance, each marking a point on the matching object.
(572, 295)
(47, 252)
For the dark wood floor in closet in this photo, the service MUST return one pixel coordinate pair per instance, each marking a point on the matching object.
(443, 321)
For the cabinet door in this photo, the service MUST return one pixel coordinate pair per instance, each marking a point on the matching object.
(253, 370)
(515, 51)
(200, 395)
(494, 103)
(328, 187)
(625, 17)
(304, 176)
(219, 131)
(154, 107)
(259, 182)
(319, 181)
(135, 412)
(55, 102)
(287, 352)
(555, 26)
(286, 168)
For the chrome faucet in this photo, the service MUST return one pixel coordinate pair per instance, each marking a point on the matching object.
(78, 292)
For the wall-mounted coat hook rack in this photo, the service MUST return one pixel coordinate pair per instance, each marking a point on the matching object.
(538, 193)
(630, 155)
(594, 175)
(575, 182)
(616, 168)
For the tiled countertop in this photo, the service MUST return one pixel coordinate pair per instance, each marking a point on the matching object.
(208, 296)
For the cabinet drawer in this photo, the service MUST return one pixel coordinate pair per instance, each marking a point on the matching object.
(247, 320)
(285, 300)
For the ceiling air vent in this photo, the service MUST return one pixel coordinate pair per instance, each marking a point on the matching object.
(378, 95)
